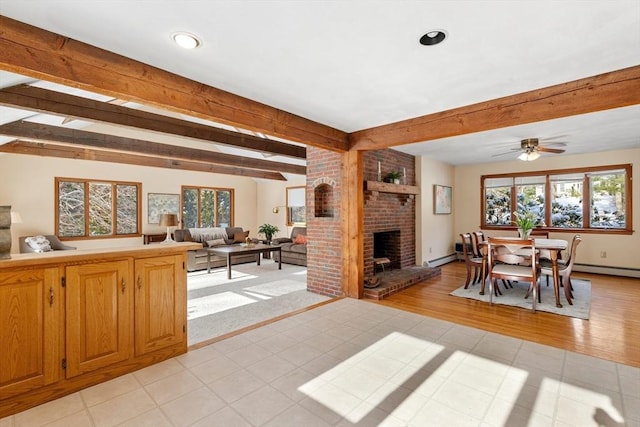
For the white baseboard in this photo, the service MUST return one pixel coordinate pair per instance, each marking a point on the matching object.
(437, 262)
(611, 271)
(584, 268)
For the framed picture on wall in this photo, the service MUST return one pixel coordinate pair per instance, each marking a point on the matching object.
(441, 199)
(159, 203)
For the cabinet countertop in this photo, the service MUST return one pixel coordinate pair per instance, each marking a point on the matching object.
(79, 255)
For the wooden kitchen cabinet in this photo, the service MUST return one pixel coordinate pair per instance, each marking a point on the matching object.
(72, 319)
(99, 316)
(31, 333)
(160, 309)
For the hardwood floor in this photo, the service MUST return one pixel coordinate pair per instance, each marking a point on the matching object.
(612, 331)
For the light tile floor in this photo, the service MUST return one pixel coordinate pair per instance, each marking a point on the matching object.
(354, 363)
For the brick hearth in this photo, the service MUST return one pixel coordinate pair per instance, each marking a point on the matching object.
(392, 281)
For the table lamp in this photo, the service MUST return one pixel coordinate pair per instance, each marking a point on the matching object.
(168, 220)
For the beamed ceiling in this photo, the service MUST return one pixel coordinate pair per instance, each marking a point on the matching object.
(86, 80)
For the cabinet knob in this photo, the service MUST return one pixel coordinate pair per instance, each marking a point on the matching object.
(139, 283)
(124, 285)
(51, 296)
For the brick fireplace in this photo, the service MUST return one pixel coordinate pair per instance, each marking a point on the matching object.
(389, 209)
(389, 216)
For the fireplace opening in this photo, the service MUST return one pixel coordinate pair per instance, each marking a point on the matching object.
(386, 244)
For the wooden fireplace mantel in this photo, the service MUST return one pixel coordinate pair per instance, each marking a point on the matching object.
(405, 192)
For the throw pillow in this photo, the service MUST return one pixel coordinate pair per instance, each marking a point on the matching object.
(240, 236)
(300, 239)
(216, 242)
(39, 243)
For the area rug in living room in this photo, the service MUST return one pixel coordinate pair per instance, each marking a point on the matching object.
(515, 297)
(217, 306)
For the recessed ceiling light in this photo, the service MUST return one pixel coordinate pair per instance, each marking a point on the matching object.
(186, 40)
(433, 37)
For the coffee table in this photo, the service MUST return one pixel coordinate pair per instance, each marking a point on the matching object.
(230, 251)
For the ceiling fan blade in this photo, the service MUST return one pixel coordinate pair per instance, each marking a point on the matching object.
(502, 154)
(550, 150)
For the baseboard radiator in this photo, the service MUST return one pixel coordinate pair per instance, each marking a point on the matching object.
(584, 268)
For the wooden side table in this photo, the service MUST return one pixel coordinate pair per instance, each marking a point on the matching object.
(153, 238)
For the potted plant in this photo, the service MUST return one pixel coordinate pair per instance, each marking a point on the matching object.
(525, 221)
(394, 176)
(268, 230)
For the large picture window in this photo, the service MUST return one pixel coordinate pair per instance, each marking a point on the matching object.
(97, 209)
(207, 207)
(596, 199)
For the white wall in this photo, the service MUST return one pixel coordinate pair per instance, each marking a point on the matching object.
(27, 184)
(621, 250)
(433, 232)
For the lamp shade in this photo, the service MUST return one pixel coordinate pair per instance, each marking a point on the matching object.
(168, 220)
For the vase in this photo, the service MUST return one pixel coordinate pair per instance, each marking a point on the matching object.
(524, 234)
(396, 180)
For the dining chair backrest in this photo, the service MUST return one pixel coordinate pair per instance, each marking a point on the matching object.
(567, 266)
(506, 259)
(478, 238)
(467, 246)
(574, 242)
(471, 261)
(539, 233)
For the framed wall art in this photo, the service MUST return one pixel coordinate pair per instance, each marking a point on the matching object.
(159, 203)
(441, 199)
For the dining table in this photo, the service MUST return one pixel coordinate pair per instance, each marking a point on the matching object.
(549, 248)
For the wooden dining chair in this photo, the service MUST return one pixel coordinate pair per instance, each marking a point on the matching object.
(539, 233)
(471, 261)
(478, 241)
(506, 258)
(565, 267)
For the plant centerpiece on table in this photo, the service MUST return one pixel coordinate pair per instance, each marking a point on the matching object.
(525, 221)
(394, 176)
(268, 230)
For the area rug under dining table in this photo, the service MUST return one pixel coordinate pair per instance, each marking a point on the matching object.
(515, 297)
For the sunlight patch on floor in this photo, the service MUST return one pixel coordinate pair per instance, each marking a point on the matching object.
(367, 374)
(211, 304)
(278, 287)
(408, 372)
(216, 278)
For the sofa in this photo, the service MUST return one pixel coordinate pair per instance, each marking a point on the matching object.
(210, 237)
(294, 248)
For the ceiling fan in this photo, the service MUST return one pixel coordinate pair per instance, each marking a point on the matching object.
(530, 149)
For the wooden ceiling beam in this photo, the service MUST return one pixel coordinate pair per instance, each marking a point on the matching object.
(49, 133)
(70, 152)
(52, 102)
(34, 52)
(602, 92)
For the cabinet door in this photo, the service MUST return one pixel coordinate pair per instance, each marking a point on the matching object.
(30, 330)
(160, 303)
(99, 312)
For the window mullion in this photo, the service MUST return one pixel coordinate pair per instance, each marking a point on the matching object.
(547, 200)
(87, 210)
(586, 202)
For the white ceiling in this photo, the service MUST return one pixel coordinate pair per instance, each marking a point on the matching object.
(358, 64)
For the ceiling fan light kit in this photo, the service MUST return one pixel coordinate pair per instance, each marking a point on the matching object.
(529, 157)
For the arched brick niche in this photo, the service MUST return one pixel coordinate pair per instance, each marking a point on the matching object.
(323, 200)
(324, 234)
